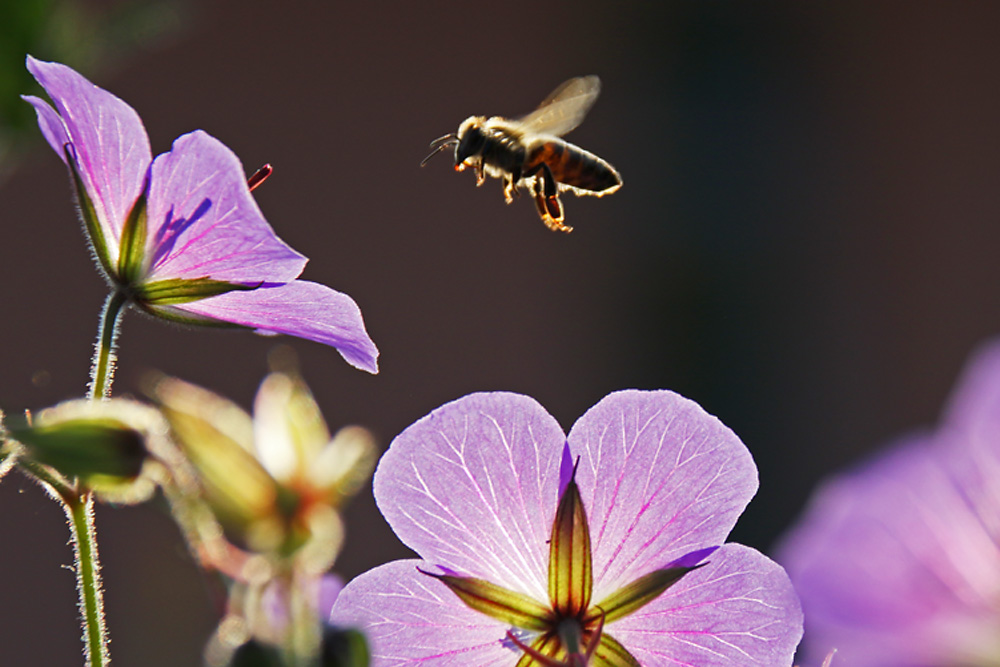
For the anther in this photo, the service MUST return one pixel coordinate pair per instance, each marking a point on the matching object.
(259, 177)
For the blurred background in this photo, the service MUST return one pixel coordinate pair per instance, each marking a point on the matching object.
(806, 242)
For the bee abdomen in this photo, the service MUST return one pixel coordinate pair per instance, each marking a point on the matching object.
(571, 165)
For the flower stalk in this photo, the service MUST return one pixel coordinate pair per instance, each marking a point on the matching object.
(102, 370)
(80, 511)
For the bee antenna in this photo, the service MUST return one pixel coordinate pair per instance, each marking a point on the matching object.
(439, 145)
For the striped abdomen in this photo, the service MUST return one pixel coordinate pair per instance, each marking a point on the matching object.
(573, 166)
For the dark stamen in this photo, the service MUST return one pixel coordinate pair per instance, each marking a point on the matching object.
(259, 177)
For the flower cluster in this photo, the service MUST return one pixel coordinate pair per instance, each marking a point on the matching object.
(606, 547)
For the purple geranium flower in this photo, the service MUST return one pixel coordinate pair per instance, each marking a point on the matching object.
(602, 548)
(898, 561)
(180, 235)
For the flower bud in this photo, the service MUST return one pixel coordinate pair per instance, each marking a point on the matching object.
(105, 444)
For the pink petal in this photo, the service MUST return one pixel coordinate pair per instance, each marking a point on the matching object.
(300, 308)
(112, 149)
(203, 221)
(893, 565)
(738, 610)
(974, 406)
(50, 124)
(659, 477)
(411, 619)
(473, 487)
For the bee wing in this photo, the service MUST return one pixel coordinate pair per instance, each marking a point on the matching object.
(564, 108)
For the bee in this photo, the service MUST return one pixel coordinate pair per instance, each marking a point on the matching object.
(528, 151)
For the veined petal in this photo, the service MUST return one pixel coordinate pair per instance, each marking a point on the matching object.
(409, 618)
(660, 478)
(473, 487)
(112, 149)
(50, 124)
(738, 610)
(204, 223)
(300, 308)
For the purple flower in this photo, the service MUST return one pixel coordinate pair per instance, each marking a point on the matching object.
(180, 234)
(540, 549)
(898, 561)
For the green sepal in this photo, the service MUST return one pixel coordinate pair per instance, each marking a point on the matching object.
(546, 645)
(132, 247)
(86, 448)
(639, 593)
(89, 214)
(498, 602)
(610, 653)
(181, 290)
(570, 569)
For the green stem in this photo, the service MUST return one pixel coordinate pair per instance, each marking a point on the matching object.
(80, 511)
(102, 370)
(79, 505)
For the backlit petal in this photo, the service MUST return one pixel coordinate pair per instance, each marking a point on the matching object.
(473, 487)
(660, 478)
(410, 618)
(893, 566)
(300, 308)
(738, 610)
(203, 221)
(110, 142)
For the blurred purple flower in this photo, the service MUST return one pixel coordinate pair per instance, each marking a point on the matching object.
(898, 561)
(474, 487)
(181, 235)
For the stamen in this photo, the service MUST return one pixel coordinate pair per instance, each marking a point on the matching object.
(259, 177)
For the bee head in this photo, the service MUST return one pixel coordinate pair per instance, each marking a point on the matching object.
(470, 139)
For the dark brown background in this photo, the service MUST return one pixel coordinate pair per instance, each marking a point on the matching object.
(806, 243)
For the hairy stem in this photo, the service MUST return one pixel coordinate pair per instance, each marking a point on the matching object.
(80, 511)
(102, 370)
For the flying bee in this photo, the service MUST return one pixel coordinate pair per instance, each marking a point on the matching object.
(528, 151)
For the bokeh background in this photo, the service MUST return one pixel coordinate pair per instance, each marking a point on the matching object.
(806, 242)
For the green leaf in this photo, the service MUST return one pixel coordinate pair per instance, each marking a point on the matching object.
(498, 602)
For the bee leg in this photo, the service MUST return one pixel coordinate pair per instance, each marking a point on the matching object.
(547, 200)
(509, 190)
(549, 209)
(480, 175)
